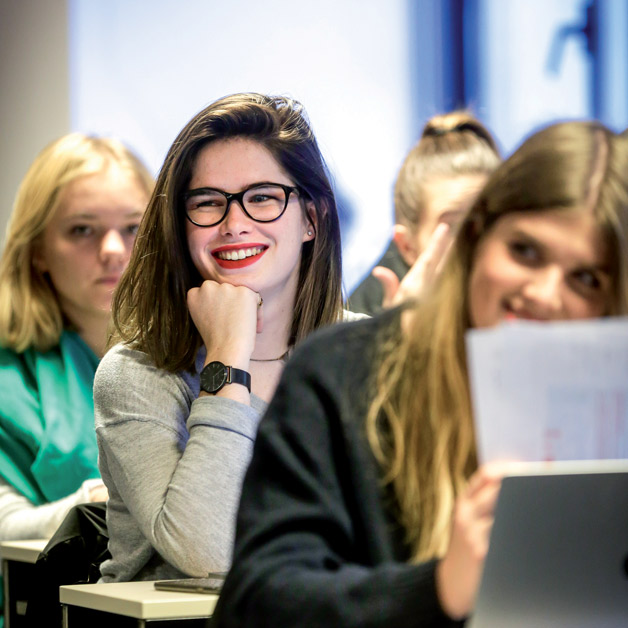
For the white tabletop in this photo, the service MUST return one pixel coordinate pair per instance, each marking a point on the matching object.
(22, 551)
(138, 599)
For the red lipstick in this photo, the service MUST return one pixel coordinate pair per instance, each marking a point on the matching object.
(256, 250)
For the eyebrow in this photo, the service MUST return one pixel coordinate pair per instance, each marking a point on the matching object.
(200, 191)
(521, 233)
(133, 213)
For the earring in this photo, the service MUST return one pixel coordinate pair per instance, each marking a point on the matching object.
(309, 232)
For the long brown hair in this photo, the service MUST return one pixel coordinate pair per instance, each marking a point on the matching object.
(150, 308)
(30, 313)
(420, 424)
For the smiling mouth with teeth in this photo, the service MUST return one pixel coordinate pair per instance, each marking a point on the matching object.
(239, 253)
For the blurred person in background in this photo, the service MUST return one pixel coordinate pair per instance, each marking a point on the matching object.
(436, 185)
(68, 240)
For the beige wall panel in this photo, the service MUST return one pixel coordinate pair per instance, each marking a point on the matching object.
(34, 87)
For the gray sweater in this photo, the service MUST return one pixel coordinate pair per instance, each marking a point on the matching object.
(173, 464)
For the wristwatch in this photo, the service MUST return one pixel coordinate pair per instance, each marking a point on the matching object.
(216, 375)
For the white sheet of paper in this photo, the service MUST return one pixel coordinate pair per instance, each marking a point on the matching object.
(550, 391)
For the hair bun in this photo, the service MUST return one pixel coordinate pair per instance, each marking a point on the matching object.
(434, 131)
(458, 122)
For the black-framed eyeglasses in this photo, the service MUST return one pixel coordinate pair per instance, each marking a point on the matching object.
(261, 202)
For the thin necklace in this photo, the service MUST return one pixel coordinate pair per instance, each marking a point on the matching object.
(283, 356)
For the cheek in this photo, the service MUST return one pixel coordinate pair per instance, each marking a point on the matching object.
(60, 256)
(476, 297)
(578, 307)
(68, 272)
(289, 234)
(129, 242)
(196, 242)
(494, 268)
(486, 283)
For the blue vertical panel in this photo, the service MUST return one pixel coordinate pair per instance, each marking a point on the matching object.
(613, 63)
(470, 55)
(426, 62)
(437, 44)
(453, 54)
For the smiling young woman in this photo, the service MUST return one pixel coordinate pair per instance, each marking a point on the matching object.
(237, 260)
(69, 239)
(552, 266)
(364, 504)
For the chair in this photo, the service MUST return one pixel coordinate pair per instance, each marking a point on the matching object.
(72, 556)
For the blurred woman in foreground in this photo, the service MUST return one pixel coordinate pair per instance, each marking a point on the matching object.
(364, 504)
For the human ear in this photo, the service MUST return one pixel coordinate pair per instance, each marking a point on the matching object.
(311, 222)
(406, 243)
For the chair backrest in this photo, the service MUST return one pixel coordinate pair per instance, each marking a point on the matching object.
(72, 556)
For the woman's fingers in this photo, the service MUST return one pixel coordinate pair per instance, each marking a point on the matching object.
(260, 315)
(435, 253)
(98, 493)
(427, 266)
(390, 284)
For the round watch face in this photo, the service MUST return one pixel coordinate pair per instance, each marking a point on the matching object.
(213, 377)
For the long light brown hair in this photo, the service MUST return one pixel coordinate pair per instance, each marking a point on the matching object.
(150, 305)
(30, 313)
(420, 424)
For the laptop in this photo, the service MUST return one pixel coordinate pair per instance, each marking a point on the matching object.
(558, 554)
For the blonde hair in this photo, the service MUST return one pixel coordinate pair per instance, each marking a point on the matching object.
(420, 423)
(150, 305)
(30, 314)
(451, 145)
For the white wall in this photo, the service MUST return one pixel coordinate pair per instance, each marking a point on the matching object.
(368, 71)
(518, 91)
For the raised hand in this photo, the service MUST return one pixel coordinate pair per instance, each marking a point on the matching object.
(390, 284)
(423, 272)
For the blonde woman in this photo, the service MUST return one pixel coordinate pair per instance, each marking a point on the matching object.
(436, 185)
(68, 240)
(363, 504)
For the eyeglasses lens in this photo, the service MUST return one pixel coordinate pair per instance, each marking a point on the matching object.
(263, 202)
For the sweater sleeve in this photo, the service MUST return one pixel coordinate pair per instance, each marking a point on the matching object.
(306, 554)
(175, 461)
(21, 519)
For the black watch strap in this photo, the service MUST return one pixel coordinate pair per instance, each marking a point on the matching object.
(216, 375)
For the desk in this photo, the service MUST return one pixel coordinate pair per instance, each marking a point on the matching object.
(18, 558)
(138, 604)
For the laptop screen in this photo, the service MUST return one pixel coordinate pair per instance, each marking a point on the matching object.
(558, 553)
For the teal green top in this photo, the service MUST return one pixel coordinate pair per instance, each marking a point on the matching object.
(47, 438)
